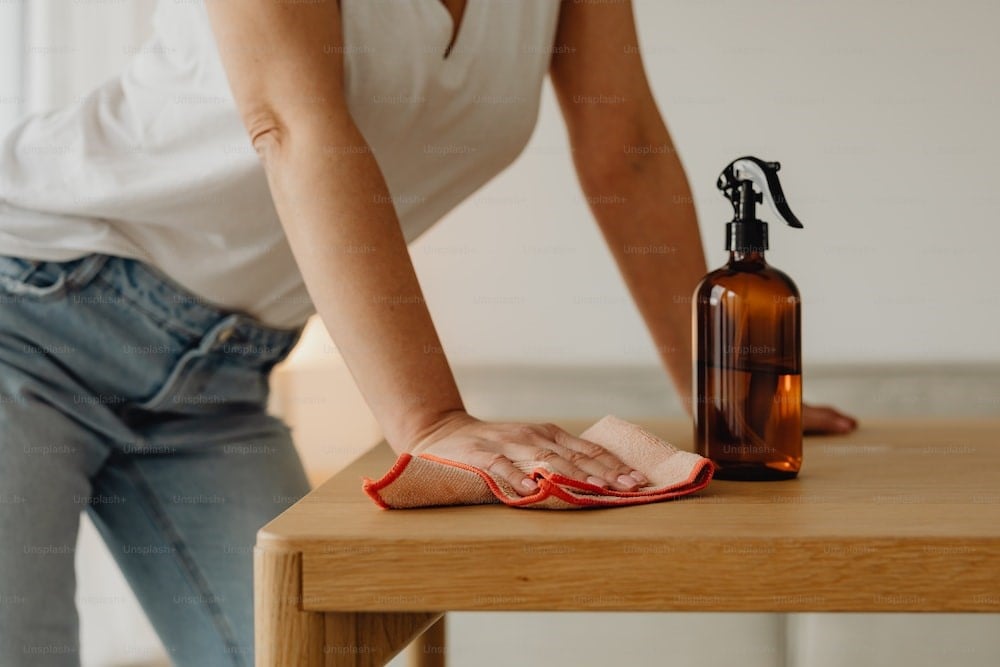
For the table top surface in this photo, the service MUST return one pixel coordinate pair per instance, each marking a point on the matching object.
(895, 499)
(887, 479)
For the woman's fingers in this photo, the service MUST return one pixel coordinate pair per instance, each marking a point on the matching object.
(575, 458)
(825, 419)
(498, 464)
(558, 459)
(613, 469)
(495, 447)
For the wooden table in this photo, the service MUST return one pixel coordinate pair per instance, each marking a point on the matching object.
(899, 516)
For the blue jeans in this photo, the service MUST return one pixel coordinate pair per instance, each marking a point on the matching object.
(125, 396)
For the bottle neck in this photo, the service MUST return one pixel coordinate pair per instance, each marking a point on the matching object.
(747, 256)
(747, 239)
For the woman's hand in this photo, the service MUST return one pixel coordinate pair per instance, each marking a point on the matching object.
(825, 420)
(496, 446)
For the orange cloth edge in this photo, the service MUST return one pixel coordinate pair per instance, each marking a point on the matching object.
(372, 487)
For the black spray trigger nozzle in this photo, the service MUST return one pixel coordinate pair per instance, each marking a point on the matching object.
(749, 180)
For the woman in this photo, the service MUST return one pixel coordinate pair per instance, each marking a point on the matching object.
(163, 240)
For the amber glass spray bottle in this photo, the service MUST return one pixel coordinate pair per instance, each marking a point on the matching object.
(747, 349)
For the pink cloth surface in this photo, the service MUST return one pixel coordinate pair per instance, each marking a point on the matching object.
(426, 480)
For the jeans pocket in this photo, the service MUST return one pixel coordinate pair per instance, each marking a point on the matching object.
(205, 379)
(42, 279)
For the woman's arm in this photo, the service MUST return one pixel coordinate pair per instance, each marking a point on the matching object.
(634, 180)
(285, 70)
(630, 173)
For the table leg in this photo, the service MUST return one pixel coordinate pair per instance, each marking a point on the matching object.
(371, 639)
(284, 634)
(428, 650)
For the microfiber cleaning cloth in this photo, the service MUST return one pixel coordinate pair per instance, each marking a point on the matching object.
(426, 480)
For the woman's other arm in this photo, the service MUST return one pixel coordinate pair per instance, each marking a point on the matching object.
(635, 182)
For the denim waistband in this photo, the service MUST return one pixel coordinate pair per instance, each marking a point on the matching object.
(174, 306)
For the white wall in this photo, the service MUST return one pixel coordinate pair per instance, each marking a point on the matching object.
(883, 117)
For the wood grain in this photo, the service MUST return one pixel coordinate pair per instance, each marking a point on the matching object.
(430, 648)
(284, 634)
(898, 516)
(371, 639)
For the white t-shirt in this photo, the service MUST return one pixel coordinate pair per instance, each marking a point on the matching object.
(156, 163)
